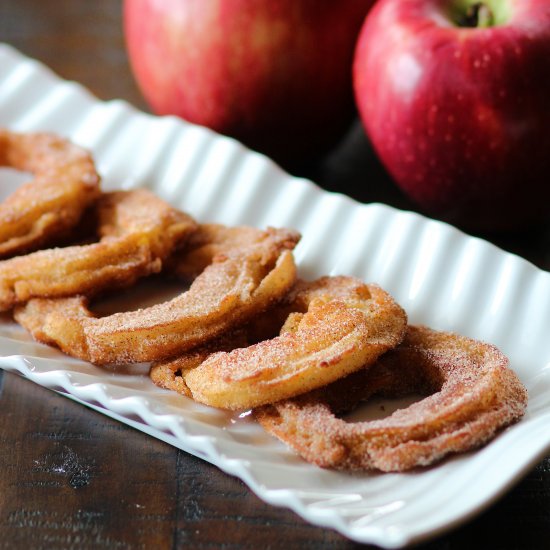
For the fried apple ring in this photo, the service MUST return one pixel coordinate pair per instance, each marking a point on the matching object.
(137, 232)
(476, 394)
(341, 325)
(212, 239)
(232, 290)
(65, 184)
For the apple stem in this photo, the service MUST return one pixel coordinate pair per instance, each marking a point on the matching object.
(478, 15)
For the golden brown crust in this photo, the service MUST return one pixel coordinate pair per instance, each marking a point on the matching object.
(347, 325)
(473, 395)
(137, 232)
(169, 374)
(65, 183)
(212, 239)
(232, 290)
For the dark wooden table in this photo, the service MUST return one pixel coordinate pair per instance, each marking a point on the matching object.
(73, 478)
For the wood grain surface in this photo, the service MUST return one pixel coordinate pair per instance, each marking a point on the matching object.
(73, 478)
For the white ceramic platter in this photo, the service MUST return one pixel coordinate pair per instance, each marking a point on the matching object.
(442, 277)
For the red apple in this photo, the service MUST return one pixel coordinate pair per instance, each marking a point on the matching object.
(455, 97)
(275, 74)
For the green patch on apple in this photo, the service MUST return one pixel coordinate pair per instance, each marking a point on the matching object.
(476, 14)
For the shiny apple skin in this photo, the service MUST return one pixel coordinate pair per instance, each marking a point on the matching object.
(275, 74)
(460, 117)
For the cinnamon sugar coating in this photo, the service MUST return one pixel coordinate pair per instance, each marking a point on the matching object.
(212, 239)
(65, 183)
(341, 325)
(471, 394)
(137, 232)
(232, 290)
